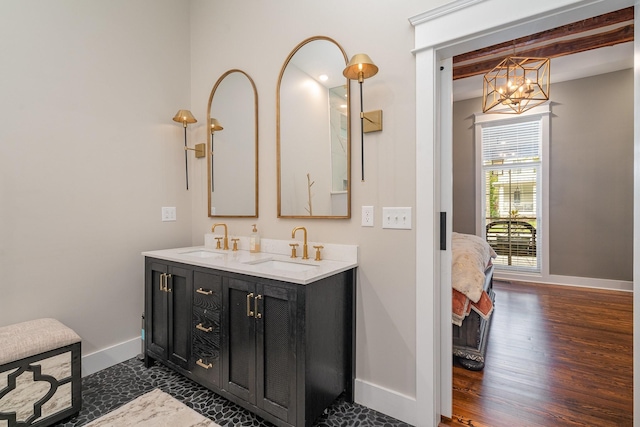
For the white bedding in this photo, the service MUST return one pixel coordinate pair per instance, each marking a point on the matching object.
(471, 255)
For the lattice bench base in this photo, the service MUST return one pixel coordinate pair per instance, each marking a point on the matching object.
(40, 373)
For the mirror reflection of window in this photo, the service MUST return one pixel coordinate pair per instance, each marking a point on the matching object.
(338, 125)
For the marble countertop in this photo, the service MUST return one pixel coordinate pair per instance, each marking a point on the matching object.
(271, 265)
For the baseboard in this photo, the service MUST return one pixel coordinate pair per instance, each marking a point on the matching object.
(387, 401)
(102, 359)
(554, 279)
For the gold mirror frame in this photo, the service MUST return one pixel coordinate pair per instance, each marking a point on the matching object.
(347, 84)
(211, 153)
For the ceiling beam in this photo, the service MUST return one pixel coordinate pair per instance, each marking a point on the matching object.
(593, 33)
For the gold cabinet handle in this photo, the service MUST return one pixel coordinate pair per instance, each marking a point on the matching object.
(164, 282)
(204, 292)
(249, 312)
(202, 328)
(200, 363)
(258, 314)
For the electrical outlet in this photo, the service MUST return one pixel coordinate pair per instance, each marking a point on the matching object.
(367, 216)
(168, 214)
(397, 218)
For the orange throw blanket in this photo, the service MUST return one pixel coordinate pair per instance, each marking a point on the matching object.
(461, 306)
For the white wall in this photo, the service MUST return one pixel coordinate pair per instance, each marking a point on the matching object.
(257, 37)
(88, 156)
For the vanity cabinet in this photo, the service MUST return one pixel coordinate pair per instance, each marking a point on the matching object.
(281, 350)
(168, 291)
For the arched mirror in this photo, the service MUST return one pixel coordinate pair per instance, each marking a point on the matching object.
(233, 146)
(313, 132)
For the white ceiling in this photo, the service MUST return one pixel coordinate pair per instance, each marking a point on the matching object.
(570, 67)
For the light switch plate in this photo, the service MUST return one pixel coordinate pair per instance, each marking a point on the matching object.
(367, 216)
(396, 218)
(168, 214)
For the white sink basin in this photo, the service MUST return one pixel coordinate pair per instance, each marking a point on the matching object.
(201, 253)
(284, 265)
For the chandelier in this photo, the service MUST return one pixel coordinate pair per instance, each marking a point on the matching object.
(515, 85)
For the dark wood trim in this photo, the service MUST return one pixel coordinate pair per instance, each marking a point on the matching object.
(603, 31)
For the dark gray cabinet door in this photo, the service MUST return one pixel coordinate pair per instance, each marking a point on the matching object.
(156, 310)
(239, 371)
(179, 293)
(168, 312)
(260, 345)
(276, 350)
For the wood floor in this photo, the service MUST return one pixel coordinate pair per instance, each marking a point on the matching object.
(556, 356)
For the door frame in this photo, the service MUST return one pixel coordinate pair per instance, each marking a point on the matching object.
(438, 37)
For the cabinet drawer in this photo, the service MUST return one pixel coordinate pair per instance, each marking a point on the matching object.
(207, 292)
(206, 322)
(205, 346)
(205, 358)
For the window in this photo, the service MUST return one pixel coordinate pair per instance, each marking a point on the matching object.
(510, 183)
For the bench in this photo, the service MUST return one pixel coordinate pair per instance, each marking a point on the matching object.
(40, 373)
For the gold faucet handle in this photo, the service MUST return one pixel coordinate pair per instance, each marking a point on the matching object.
(235, 244)
(318, 257)
(293, 249)
(218, 246)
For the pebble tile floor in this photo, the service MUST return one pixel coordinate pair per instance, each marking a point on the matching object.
(111, 388)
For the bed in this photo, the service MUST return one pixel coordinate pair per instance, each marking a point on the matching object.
(472, 298)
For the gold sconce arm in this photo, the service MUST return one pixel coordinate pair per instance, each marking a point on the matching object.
(361, 67)
(185, 117)
(199, 149)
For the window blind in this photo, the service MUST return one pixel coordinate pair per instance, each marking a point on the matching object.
(511, 143)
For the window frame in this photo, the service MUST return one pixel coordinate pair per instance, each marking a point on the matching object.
(542, 113)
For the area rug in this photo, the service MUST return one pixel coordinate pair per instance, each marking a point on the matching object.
(154, 409)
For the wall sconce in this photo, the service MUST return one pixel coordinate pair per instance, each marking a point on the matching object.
(214, 126)
(185, 117)
(359, 68)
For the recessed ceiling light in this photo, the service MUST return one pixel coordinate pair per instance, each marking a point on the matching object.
(323, 77)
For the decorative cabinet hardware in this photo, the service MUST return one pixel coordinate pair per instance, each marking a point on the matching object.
(253, 313)
(204, 291)
(258, 314)
(164, 282)
(249, 312)
(203, 329)
(200, 363)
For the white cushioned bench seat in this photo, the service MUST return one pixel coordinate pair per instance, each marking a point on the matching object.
(40, 373)
(25, 339)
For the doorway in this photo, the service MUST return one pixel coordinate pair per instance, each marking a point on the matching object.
(439, 36)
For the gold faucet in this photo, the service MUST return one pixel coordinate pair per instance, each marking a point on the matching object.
(305, 250)
(226, 236)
